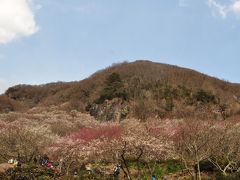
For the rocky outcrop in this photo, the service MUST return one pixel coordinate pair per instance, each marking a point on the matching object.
(110, 110)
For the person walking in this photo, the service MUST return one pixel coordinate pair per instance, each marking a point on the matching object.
(154, 177)
(116, 170)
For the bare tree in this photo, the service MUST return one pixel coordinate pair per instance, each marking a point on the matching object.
(225, 147)
(192, 144)
(21, 142)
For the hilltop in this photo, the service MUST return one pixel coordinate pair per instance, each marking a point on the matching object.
(140, 89)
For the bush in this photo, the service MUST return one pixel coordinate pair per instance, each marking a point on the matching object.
(204, 97)
(159, 172)
(173, 167)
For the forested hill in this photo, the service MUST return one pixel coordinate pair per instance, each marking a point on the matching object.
(140, 89)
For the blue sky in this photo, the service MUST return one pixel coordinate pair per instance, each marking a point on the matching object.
(68, 40)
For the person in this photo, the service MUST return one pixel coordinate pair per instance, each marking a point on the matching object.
(154, 177)
(75, 175)
(50, 165)
(35, 160)
(89, 168)
(10, 161)
(15, 162)
(60, 165)
(116, 170)
(44, 160)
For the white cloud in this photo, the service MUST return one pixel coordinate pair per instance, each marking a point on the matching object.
(218, 8)
(16, 20)
(224, 9)
(236, 7)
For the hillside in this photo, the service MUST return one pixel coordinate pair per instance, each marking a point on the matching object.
(140, 89)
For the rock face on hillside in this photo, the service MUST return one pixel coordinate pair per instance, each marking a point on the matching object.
(110, 110)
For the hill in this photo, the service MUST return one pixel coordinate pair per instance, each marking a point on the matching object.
(140, 89)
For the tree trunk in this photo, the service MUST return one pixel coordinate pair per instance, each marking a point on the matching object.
(195, 172)
(68, 167)
(126, 172)
(199, 172)
(138, 161)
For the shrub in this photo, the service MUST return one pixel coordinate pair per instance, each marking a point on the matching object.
(204, 97)
(159, 172)
(5, 104)
(173, 166)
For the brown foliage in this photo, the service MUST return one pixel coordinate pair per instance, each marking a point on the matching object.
(7, 104)
(160, 90)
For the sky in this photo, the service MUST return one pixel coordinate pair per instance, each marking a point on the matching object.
(44, 41)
